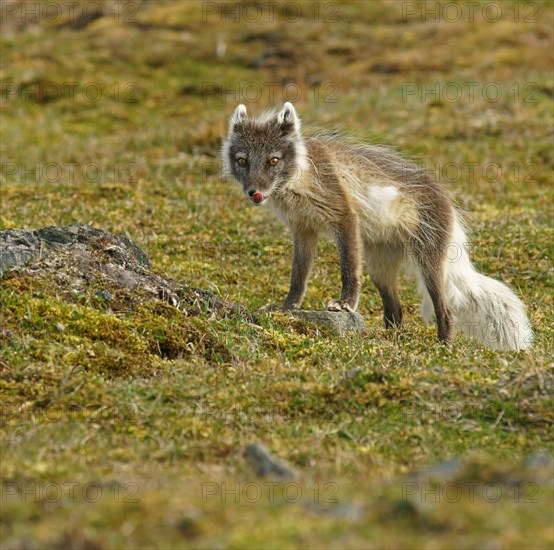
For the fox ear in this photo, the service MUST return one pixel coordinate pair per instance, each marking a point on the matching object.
(288, 118)
(240, 115)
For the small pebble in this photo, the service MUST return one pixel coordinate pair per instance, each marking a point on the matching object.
(105, 295)
(265, 465)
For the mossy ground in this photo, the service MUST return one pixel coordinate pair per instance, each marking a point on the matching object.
(144, 410)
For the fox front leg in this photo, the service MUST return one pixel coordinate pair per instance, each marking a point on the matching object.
(347, 235)
(305, 248)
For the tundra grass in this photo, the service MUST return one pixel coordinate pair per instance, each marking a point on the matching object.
(125, 427)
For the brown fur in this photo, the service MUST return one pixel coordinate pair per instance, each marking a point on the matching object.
(319, 204)
(321, 200)
(377, 206)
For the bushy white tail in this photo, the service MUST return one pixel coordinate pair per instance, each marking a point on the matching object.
(482, 307)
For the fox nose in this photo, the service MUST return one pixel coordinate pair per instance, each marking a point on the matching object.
(251, 192)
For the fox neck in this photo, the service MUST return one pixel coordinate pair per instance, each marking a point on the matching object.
(298, 183)
(301, 153)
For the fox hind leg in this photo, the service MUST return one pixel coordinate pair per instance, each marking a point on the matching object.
(432, 275)
(383, 263)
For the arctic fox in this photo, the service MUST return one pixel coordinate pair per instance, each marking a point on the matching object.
(383, 211)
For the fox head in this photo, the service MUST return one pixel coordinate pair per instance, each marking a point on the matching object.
(263, 154)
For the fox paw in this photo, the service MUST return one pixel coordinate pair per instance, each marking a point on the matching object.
(339, 305)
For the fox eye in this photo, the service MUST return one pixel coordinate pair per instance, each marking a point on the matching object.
(242, 162)
(273, 161)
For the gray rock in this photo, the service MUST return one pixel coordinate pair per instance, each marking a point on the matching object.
(444, 471)
(104, 295)
(79, 256)
(267, 466)
(352, 373)
(341, 321)
(343, 510)
(539, 459)
(18, 247)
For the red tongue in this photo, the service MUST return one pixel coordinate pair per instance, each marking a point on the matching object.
(258, 197)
